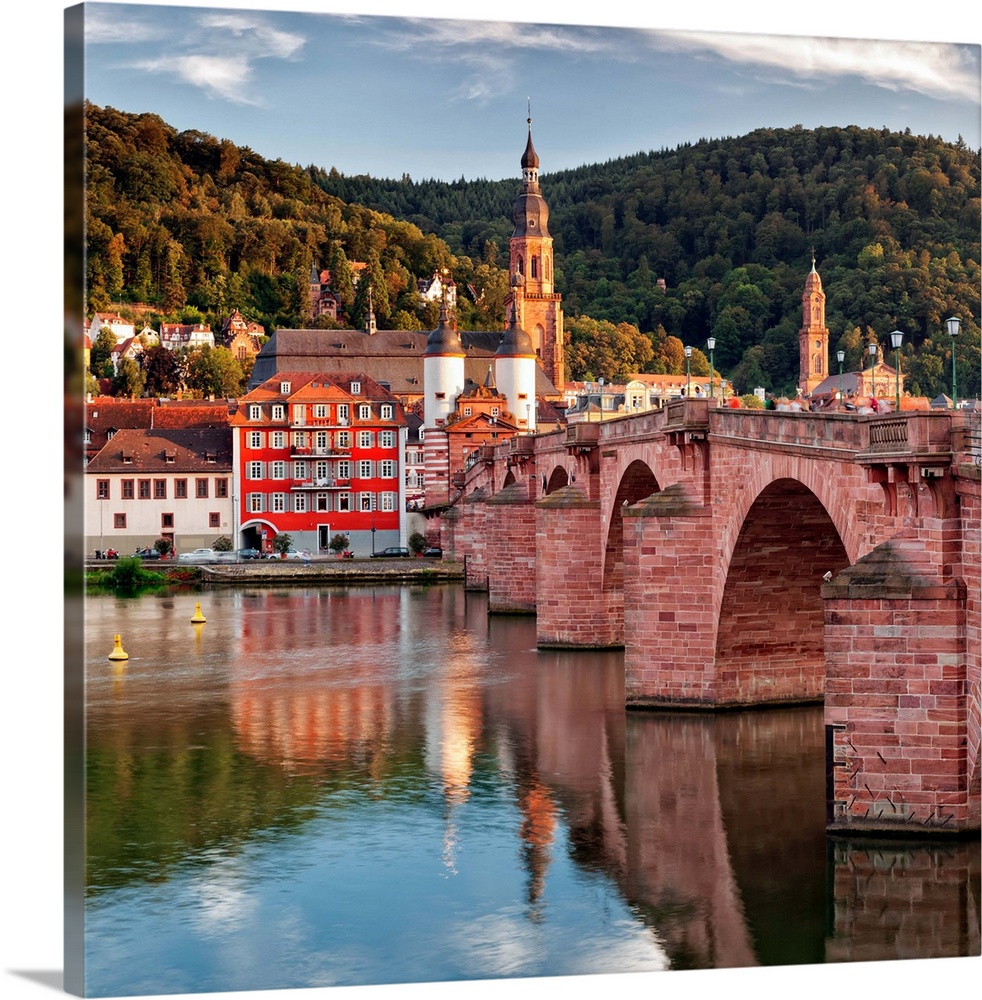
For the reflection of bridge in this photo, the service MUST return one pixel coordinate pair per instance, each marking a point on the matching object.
(698, 538)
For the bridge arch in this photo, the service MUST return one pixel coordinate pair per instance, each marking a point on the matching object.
(770, 632)
(558, 478)
(637, 482)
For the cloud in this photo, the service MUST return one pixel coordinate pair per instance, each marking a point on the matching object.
(225, 77)
(935, 69)
(216, 54)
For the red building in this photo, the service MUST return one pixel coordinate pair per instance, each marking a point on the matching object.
(316, 455)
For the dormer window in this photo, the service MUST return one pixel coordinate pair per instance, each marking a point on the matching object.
(355, 388)
(110, 434)
(284, 388)
(279, 411)
(387, 412)
(255, 411)
(364, 411)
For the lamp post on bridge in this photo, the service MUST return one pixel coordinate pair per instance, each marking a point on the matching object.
(872, 370)
(711, 344)
(841, 355)
(954, 328)
(897, 338)
(688, 371)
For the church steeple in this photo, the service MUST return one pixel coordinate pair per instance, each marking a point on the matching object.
(533, 298)
(813, 337)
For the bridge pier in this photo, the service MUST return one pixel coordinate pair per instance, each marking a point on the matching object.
(462, 536)
(670, 602)
(511, 555)
(572, 605)
(896, 712)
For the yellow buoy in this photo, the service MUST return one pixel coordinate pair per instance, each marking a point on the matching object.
(198, 616)
(118, 652)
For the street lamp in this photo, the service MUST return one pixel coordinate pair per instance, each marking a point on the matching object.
(897, 338)
(841, 355)
(954, 327)
(711, 344)
(688, 373)
(872, 370)
(371, 504)
(528, 418)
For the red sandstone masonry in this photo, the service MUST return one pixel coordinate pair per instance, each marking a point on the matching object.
(511, 555)
(895, 694)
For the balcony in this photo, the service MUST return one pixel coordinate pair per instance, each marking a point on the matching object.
(329, 483)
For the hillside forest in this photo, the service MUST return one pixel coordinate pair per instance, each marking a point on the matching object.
(652, 251)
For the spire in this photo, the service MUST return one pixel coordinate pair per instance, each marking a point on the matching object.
(489, 378)
(530, 159)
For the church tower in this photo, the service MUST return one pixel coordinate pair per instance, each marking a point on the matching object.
(537, 306)
(514, 369)
(443, 382)
(813, 337)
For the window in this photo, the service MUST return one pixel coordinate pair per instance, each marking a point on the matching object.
(181, 489)
(364, 412)
(277, 439)
(87, 436)
(255, 470)
(201, 488)
(342, 413)
(160, 489)
(467, 411)
(300, 413)
(321, 473)
(255, 439)
(128, 487)
(119, 520)
(254, 503)
(277, 503)
(214, 520)
(299, 439)
(166, 521)
(422, 428)
(102, 489)
(365, 501)
(255, 411)
(221, 488)
(300, 503)
(387, 469)
(344, 469)
(277, 470)
(299, 470)
(342, 439)
(494, 413)
(344, 501)
(321, 439)
(279, 411)
(321, 502)
(440, 395)
(366, 470)
(388, 501)
(320, 411)
(386, 439)
(355, 388)
(365, 439)
(284, 388)
(388, 411)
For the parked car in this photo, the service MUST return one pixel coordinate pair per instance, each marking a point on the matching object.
(433, 552)
(199, 556)
(236, 555)
(147, 553)
(393, 551)
(290, 554)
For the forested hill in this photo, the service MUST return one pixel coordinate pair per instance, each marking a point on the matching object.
(728, 225)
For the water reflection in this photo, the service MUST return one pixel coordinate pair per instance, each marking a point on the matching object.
(385, 785)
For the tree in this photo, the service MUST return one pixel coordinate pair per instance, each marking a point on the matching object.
(282, 543)
(213, 371)
(417, 543)
(101, 353)
(128, 380)
(161, 371)
(338, 544)
(604, 350)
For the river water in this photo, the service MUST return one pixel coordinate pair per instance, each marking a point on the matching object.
(339, 787)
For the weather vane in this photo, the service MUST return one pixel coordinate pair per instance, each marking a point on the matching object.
(529, 119)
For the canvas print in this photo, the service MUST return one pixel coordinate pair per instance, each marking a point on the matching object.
(523, 494)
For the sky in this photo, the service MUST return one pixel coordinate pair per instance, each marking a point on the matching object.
(409, 101)
(443, 98)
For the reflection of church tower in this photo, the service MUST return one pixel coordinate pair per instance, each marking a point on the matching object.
(538, 307)
(813, 337)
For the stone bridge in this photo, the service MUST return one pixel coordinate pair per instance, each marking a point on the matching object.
(746, 558)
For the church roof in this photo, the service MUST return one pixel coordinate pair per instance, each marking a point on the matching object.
(391, 357)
